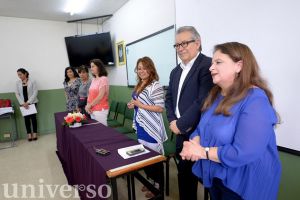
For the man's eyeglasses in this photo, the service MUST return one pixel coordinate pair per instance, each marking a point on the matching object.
(183, 44)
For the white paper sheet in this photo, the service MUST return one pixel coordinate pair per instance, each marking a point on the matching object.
(31, 110)
(6, 110)
(123, 154)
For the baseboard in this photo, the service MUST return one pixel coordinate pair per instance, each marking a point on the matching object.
(287, 150)
(46, 131)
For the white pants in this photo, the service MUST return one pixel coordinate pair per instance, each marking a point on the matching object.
(100, 116)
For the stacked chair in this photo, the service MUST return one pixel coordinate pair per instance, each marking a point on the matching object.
(126, 127)
(170, 152)
(112, 114)
(118, 119)
(122, 121)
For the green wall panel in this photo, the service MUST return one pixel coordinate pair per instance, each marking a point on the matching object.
(50, 101)
(120, 93)
(290, 177)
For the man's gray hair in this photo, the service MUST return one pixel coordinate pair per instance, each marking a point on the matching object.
(193, 31)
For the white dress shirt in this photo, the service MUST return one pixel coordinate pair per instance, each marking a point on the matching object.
(185, 70)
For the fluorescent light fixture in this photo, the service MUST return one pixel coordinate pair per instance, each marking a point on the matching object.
(75, 6)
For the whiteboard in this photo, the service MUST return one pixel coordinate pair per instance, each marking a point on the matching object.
(159, 47)
(271, 29)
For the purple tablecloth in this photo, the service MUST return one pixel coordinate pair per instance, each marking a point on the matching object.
(80, 162)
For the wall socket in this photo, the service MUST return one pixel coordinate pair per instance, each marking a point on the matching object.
(6, 135)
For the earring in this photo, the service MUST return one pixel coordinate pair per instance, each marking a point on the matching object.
(237, 74)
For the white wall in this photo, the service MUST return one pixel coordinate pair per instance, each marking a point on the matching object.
(38, 46)
(137, 19)
(271, 29)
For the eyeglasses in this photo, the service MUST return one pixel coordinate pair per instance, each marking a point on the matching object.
(183, 44)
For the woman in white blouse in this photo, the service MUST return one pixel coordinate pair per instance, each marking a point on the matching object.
(148, 103)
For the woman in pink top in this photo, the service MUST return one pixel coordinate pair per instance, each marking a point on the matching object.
(97, 102)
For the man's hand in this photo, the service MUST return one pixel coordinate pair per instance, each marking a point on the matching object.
(174, 128)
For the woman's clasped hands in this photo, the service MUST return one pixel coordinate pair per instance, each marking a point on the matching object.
(192, 150)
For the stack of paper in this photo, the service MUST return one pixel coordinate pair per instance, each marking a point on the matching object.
(6, 110)
(31, 110)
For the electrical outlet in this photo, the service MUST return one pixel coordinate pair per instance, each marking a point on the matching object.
(6, 135)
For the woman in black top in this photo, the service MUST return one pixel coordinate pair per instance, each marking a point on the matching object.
(26, 93)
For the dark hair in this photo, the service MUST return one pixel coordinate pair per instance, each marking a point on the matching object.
(83, 68)
(150, 67)
(101, 69)
(66, 75)
(23, 71)
(248, 77)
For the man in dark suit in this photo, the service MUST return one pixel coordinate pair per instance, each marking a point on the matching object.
(190, 83)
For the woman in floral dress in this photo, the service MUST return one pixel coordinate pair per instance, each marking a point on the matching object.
(71, 86)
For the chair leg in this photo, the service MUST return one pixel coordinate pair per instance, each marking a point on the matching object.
(128, 186)
(176, 162)
(167, 175)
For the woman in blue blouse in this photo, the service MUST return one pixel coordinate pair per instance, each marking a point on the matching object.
(148, 103)
(234, 144)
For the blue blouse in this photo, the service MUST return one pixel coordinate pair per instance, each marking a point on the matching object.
(247, 147)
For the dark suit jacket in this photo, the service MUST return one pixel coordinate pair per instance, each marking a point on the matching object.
(195, 89)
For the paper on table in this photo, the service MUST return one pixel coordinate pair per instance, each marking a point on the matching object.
(6, 110)
(123, 151)
(31, 110)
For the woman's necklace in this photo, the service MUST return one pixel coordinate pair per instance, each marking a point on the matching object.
(71, 81)
(24, 82)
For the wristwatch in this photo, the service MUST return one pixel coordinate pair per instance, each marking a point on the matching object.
(206, 151)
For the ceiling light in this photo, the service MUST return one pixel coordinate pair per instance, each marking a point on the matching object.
(75, 6)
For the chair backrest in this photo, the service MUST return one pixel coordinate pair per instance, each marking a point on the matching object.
(121, 108)
(170, 144)
(121, 112)
(128, 118)
(129, 113)
(112, 114)
(166, 123)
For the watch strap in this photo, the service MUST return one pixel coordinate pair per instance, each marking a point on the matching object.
(206, 151)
